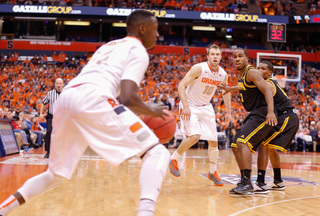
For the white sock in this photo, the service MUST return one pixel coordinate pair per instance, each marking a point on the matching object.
(175, 156)
(153, 171)
(8, 205)
(213, 153)
(146, 207)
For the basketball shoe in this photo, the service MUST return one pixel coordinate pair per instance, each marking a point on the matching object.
(174, 169)
(245, 187)
(232, 190)
(276, 185)
(260, 188)
(215, 178)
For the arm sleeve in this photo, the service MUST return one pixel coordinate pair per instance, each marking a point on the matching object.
(137, 65)
(46, 99)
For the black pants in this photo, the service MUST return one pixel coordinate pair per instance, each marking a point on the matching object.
(48, 134)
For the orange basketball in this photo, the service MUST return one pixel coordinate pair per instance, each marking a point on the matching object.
(163, 129)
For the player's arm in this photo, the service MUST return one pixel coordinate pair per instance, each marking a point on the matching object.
(226, 89)
(192, 74)
(227, 101)
(41, 111)
(130, 97)
(255, 76)
(272, 87)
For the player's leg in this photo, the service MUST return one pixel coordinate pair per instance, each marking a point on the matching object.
(65, 146)
(152, 174)
(288, 124)
(249, 137)
(213, 153)
(187, 143)
(277, 183)
(116, 134)
(192, 131)
(260, 186)
(31, 188)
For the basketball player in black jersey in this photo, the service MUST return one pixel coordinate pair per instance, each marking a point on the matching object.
(281, 136)
(256, 98)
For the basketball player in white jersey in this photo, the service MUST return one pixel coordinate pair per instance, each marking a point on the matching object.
(198, 119)
(87, 113)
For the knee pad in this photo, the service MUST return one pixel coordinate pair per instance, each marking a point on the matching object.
(159, 154)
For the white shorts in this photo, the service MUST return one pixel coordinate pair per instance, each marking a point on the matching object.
(202, 121)
(83, 116)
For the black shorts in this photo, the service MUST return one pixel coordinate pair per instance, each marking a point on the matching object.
(281, 136)
(254, 129)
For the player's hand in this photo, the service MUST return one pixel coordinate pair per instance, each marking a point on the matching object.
(186, 113)
(225, 87)
(272, 119)
(228, 119)
(41, 116)
(159, 110)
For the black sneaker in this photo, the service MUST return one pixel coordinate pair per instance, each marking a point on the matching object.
(47, 155)
(245, 188)
(232, 190)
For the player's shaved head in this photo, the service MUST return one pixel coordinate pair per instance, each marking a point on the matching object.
(137, 18)
(240, 48)
(269, 65)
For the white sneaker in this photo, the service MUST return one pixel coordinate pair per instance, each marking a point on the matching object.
(260, 188)
(276, 185)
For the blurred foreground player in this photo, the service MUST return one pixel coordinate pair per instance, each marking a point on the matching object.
(88, 113)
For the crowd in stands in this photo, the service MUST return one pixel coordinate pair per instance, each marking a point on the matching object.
(314, 6)
(25, 83)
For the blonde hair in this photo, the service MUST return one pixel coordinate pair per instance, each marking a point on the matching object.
(214, 46)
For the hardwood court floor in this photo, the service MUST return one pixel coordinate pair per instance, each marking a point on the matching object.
(99, 189)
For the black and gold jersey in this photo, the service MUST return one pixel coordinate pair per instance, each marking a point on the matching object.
(251, 96)
(281, 100)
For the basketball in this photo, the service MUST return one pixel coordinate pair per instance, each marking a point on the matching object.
(163, 129)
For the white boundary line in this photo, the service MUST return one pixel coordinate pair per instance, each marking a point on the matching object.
(248, 209)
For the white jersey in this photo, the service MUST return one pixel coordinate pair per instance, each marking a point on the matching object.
(106, 67)
(201, 90)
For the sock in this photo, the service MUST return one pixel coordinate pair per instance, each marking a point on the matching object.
(261, 175)
(8, 205)
(277, 174)
(175, 156)
(146, 207)
(213, 153)
(153, 171)
(247, 173)
(242, 174)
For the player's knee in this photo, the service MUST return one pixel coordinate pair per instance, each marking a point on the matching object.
(159, 154)
(195, 138)
(272, 151)
(158, 150)
(241, 145)
(235, 150)
(55, 178)
(263, 147)
(213, 144)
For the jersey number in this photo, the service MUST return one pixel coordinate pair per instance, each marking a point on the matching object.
(208, 90)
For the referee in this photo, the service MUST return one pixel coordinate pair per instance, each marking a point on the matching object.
(50, 98)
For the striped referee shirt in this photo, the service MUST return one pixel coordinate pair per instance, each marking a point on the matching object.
(50, 98)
